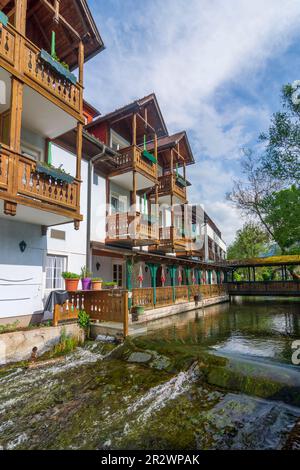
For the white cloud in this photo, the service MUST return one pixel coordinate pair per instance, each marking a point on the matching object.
(187, 51)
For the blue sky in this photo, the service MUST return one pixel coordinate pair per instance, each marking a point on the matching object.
(217, 68)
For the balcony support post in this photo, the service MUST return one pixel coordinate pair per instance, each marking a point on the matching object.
(16, 107)
(20, 21)
(134, 129)
(80, 75)
(134, 190)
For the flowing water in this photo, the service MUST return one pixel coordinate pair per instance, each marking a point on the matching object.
(169, 389)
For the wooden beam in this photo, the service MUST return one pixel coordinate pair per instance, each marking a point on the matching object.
(61, 19)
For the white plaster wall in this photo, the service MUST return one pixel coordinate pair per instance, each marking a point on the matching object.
(21, 274)
(98, 209)
(74, 246)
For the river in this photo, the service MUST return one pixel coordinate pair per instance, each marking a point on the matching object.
(218, 379)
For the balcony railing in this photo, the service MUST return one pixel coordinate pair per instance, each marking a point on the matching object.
(19, 56)
(21, 183)
(131, 228)
(171, 237)
(131, 158)
(168, 184)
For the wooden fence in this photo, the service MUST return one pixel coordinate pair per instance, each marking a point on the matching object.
(105, 305)
(112, 305)
(164, 295)
(265, 288)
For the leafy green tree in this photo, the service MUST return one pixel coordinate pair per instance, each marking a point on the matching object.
(249, 242)
(281, 159)
(282, 211)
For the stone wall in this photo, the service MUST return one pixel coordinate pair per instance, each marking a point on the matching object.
(17, 346)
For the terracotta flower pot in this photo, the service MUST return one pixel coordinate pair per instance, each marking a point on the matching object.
(96, 285)
(71, 284)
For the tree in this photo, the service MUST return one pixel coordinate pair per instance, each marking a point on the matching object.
(249, 242)
(249, 194)
(282, 154)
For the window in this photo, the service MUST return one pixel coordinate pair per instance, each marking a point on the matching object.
(117, 142)
(118, 274)
(118, 203)
(55, 266)
(31, 151)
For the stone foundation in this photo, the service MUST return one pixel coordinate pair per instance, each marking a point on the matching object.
(17, 346)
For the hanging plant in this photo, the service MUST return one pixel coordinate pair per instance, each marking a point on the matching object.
(59, 67)
(56, 173)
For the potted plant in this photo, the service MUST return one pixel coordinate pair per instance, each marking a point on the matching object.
(71, 281)
(86, 278)
(136, 311)
(97, 283)
(110, 285)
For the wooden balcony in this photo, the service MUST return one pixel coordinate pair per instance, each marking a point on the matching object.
(131, 229)
(20, 57)
(21, 183)
(168, 185)
(170, 239)
(131, 158)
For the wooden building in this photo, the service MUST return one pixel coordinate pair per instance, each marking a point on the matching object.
(41, 43)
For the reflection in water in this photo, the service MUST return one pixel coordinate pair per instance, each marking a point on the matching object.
(255, 327)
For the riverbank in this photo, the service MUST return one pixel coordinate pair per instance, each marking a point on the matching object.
(159, 392)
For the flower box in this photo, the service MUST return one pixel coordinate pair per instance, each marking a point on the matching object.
(55, 173)
(3, 18)
(57, 67)
(149, 156)
(180, 181)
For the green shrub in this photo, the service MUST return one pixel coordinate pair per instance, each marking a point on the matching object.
(84, 319)
(67, 344)
(9, 327)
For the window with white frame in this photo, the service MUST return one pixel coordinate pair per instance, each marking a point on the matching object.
(55, 266)
(118, 274)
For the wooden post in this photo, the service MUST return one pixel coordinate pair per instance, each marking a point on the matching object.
(81, 61)
(134, 190)
(56, 6)
(20, 18)
(134, 129)
(156, 153)
(56, 315)
(125, 319)
(16, 106)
